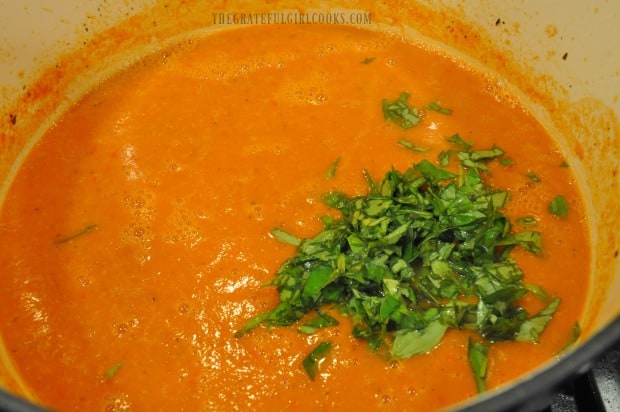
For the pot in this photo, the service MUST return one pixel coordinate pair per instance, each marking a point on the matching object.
(559, 58)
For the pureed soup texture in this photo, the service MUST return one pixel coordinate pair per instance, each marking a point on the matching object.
(421, 236)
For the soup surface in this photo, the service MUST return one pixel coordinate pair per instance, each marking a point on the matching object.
(135, 238)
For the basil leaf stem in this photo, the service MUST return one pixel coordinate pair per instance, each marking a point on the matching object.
(69, 238)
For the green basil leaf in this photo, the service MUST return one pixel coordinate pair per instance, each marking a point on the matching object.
(389, 305)
(371, 184)
(407, 144)
(533, 177)
(335, 200)
(323, 320)
(444, 158)
(538, 292)
(559, 206)
(478, 355)
(311, 363)
(575, 334)
(408, 343)
(532, 328)
(285, 237)
(434, 105)
(530, 241)
(486, 154)
(456, 139)
(113, 370)
(316, 281)
(432, 173)
(527, 221)
(331, 172)
(400, 112)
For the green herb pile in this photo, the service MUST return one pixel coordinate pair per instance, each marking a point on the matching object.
(425, 250)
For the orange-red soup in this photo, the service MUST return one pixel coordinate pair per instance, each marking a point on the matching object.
(186, 162)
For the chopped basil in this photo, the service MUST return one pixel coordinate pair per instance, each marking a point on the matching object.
(285, 237)
(575, 333)
(425, 250)
(564, 164)
(431, 172)
(331, 172)
(478, 355)
(371, 184)
(368, 60)
(456, 139)
(486, 154)
(410, 342)
(559, 206)
(69, 238)
(533, 177)
(434, 105)
(407, 144)
(444, 158)
(506, 161)
(530, 241)
(531, 329)
(538, 292)
(527, 221)
(113, 370)
(400, 112)
(323, 320)
(478, 158)
(312, 362)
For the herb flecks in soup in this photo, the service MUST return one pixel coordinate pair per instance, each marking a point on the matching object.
(187, 161)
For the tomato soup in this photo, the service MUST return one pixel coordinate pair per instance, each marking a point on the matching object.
(136, 237)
